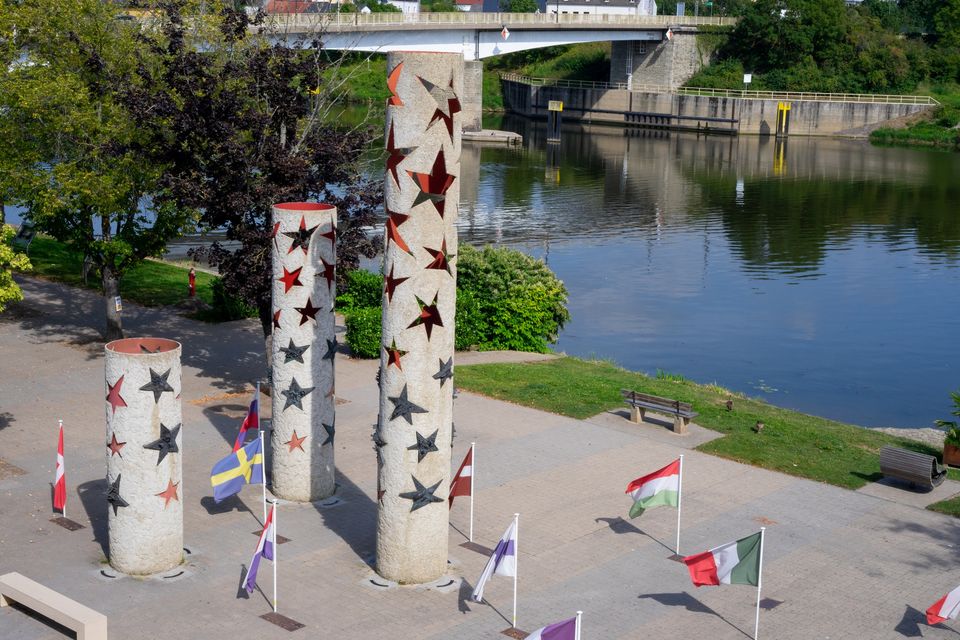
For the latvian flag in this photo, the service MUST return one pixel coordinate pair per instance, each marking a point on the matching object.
(251, 421)
(733, 563)
(264, 550)
(660, 488)
(566, 630)
(946, 608)
(462, 483)
(60, 480)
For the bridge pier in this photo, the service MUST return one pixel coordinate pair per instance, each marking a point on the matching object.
(472, 99)
(665, 63)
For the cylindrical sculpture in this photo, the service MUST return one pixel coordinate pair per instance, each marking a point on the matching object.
(304, 346)
(143, 447)
(421, 192)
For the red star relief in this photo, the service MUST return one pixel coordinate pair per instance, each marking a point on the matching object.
(329, 272)
(273, 235)
(113, 395)
(448, 104)
(115, 446)
(390, 284)
(394, 220)
(441, 260)
(392, 79)
(168, 494)
(294, 442)
(429, 316)
(291, 279)
(394, 354)
(331, 235)
(276, 319)
(395, 155)
(307, 312)
(434, 185)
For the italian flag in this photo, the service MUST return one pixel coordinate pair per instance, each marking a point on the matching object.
(660, 488)
(733, 563)
(946, 608)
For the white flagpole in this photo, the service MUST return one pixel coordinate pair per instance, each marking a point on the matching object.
(579, 615)
(263, 476)
(756, 627)
(679, 503)
(276, 546)
(516, 561)
(473, 471)
(63, 511)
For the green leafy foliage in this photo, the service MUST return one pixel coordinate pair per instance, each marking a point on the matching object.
(363, 289)
(10, 260)
(226, 306)
(364, 331)
(952, 426)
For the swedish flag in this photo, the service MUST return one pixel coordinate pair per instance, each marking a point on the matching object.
(243, 466)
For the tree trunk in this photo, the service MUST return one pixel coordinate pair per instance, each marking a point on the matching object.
(3, 214)
(265, 313)
(111, 290)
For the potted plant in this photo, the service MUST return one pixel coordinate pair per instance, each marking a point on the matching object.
(951, 444)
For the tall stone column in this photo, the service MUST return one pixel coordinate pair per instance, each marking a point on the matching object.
(304, 346)
(421, 190)
(143, 449)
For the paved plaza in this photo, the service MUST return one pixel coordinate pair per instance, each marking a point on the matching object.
(837, 563)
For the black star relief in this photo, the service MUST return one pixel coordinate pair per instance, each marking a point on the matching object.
(422, 496)
(300, 237)
(429, 316)
(307, 312)
(448, 104)
(331, 432)
(441, 259)
(424, 445)
(113, 496)
(445, 372)
(166, 443)
(402, 407)
(158, 384)
(294, 395)
(378, 444)
(293, 352)
(331, 350)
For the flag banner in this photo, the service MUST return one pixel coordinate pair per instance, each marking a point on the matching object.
(268, 538)
(946, 608)
(60, 479)
(462, 483)
(660, 488)
(244, 466)
(733, 563)
(503, 560)
(250, 423)
(565, 630)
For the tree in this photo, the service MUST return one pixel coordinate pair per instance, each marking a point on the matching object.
(79, 162)
(947, 21)
(523, 6)
(10, 260)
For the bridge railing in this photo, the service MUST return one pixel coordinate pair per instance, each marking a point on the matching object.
(310, 22)
(786, 96)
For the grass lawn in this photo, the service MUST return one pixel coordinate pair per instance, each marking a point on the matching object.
(150, 283)
(792, 442)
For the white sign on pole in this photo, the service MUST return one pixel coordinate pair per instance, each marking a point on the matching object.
(747, 78)
(118, 303)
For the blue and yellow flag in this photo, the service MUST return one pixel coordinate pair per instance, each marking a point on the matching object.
(244, 466)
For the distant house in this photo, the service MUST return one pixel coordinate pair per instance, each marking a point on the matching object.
(604, 7)
(470, 5)
(299, 6)
(406, 6)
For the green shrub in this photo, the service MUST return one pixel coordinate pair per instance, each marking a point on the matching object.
(226, 306)
(364, 289)
(364, 331)
(471, 325)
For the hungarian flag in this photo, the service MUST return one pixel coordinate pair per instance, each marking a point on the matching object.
(252, 421)
(946, 608)
(733, 563)
(660, 488)
(462, 483)
(60, 481)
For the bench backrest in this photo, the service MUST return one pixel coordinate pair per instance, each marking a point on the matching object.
(646, 398)
(916, 467)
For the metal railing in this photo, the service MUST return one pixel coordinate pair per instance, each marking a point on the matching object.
(786, 96)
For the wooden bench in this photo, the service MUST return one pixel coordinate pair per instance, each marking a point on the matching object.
(919, 469)
(89, 624)
(682, 412)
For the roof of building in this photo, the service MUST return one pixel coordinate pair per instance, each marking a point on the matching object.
(602, 3)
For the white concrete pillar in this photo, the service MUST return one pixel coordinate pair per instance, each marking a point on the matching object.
(144, 446)
(421, 191)
(304, 345)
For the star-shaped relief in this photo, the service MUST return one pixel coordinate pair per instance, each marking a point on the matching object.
(331, 430)
(422, 496)
(291, 279)
(378, 444)
(115, 446)
(113, 395)
(394, 354)
(276, 319)
(424, 445)
(295, 394)
(273, 235)
(166, 443)
(434, 185)
(113, 495)
(168, 494)
(144, 349)
(300, 237)
(402, 407)
(429, 316)
(158, 384)
(293, 352)
(331, 350)
(395, 155)
(390, 284)
(441, 259)
(331, 235)
(394, 220)
(294, 442)
(307, 312)
(448, 104)
(392, 79)
(329, 272)
(445, 372)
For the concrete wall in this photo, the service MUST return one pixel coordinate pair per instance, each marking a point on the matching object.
(813, 118)
(664, 63)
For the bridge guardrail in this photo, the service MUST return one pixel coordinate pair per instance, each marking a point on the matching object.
(792, 96)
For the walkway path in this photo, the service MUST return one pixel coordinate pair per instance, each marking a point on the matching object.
(839, 564)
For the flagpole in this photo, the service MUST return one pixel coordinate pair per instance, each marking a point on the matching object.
(756, 627)
(63, 509)
(473, 471)
(516, 560)
(679, 503)
(579, 615)
(263, 476)
(275, 546)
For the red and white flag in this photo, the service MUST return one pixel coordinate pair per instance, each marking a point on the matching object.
(505, 33)
(946, 608)
(60, 482)
(462, 483)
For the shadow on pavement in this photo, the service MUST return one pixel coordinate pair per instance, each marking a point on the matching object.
(944, 533)
(6, 419)
(620, 526)
(355, 521)
(463, 597)
(688, 602)
(93, 498)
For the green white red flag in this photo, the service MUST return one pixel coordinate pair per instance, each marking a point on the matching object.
(660, 488)
(946, 608)
(733, 563)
